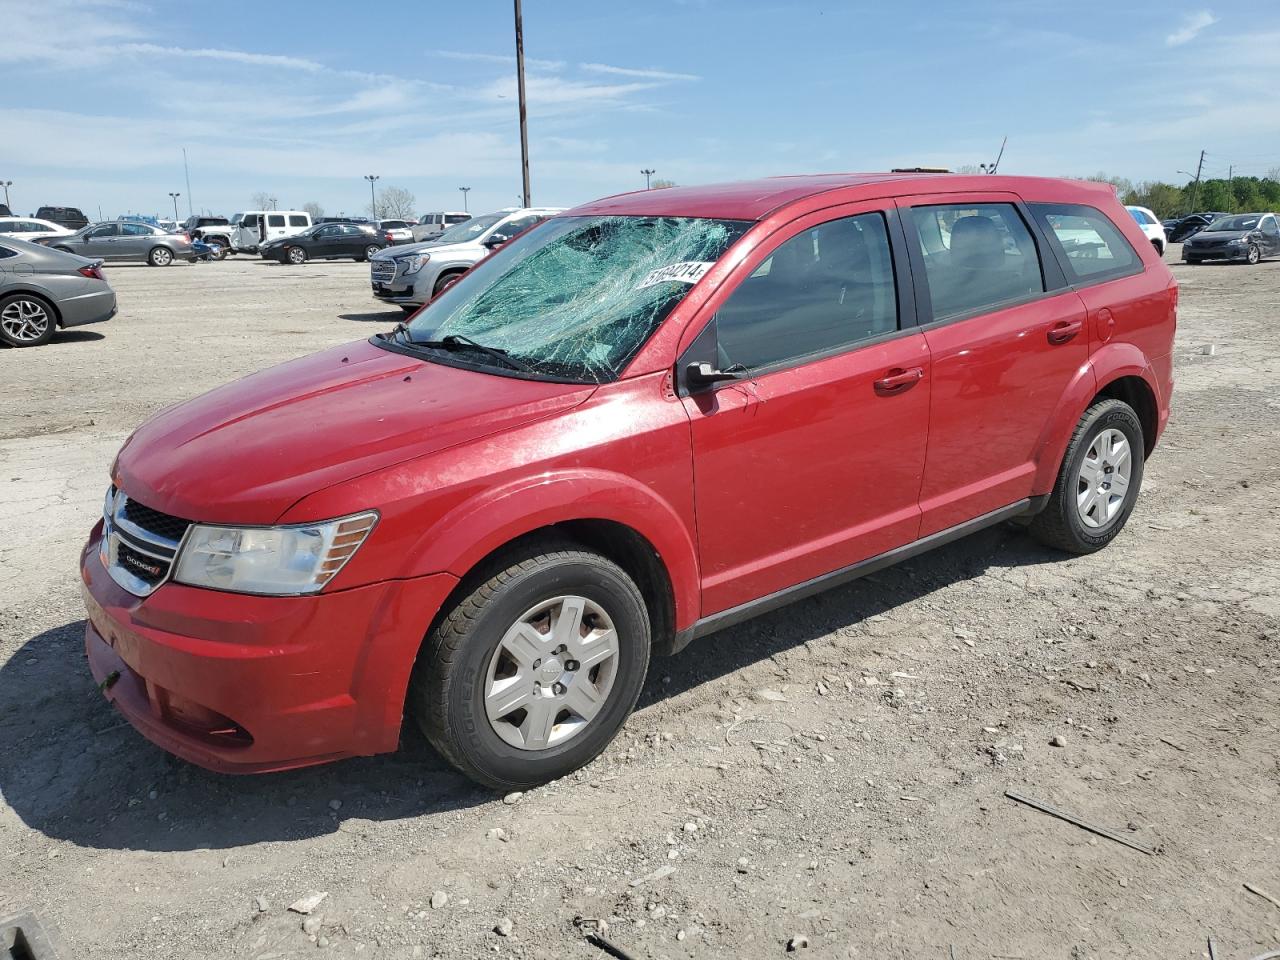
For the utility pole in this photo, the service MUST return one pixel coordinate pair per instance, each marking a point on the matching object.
(648, 172)
(465, 191)
(373, 200)
(1195, 187)
(175, 197)
(524, 113)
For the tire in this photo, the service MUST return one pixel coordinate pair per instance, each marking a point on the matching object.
(445, 280)
(369, 251)
(466, 656)
(1192, 261)
(294, 255)
(26, 320)
(1253, 256)
(219, 250)
(1159, 247)
(1064, 523)
(160, 257)
(409, 307)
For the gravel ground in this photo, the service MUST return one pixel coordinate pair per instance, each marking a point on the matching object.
(832, 774)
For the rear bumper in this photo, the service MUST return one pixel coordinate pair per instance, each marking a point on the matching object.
(88, 308)
(242, 684)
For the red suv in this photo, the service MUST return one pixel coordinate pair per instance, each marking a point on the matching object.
(642, 421)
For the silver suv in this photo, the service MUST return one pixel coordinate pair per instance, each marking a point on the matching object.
(410, 275)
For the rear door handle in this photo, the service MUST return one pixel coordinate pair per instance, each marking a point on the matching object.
(899, 380)
(1065, 330)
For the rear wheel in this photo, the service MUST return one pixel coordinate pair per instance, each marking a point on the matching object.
(1159, 247)
(1098, 481)
(369, 251)
(160, 257)
(530, 675)
(26, 320)
(295, 255)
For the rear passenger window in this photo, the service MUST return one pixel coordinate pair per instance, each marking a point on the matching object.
(976, 257)
(275, 220)
(821, 291)
(296, 221)
(1094, 248)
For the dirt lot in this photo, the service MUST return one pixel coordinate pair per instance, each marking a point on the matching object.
(865, 812)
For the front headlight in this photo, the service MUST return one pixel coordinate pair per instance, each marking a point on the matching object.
(412, 264)
(1237, 242)
(276, 561)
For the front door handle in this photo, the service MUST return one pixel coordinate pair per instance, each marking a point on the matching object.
(899, 380)
(1065, 330)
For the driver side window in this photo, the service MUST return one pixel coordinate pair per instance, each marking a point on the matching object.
(822, 291)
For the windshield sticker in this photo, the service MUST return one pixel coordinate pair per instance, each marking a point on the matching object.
(690, 271)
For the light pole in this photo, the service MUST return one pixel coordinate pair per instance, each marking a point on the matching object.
(6, 184)
(272, 201)
(648, 172)
(465, 191)
(373, 200)
(524, 113)
(175, 197)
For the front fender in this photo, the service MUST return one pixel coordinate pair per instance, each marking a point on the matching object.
(477, 527)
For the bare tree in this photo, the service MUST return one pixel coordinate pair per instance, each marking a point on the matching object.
(395, 203)
(314, 209)
(260, 200)
(661, 184)
(969, 168)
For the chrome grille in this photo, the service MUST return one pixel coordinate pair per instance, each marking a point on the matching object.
(139, 544)
(382, 270)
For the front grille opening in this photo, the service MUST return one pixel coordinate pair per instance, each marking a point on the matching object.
(154, 522)
(197, 720)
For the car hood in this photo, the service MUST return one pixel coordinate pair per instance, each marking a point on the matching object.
(245, 452)
(1217, 236)
(430, 246)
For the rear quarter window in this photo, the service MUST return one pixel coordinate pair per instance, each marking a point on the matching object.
(296, 221)
(1091, 248)
(275, 220)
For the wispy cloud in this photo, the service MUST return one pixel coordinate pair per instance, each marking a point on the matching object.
(499, 58)
(235, 56)
(1191, 26)
(647, 74)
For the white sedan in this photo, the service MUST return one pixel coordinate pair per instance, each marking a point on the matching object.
(30, 229)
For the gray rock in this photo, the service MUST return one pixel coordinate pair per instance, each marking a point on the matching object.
(503, 927)
(439, 899)
(513, 798)
(261, 904)
(308, 903)
(1056, 741)
(798, 942)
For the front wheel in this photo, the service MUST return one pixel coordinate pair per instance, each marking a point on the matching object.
(532, 672)
(1253, 255)
(160, 257)
(1098, 481)
(219, 250)
(296, 255)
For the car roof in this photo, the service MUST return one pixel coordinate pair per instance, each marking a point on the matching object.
(756, 199)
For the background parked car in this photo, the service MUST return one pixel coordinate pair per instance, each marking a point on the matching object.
(42, 289)
(69, 217)
(395, 231)
(213, 230)
(1151, 226)
(1243, 236)
(251, 229)
(1189, 226)
(29, 228)
(328, 241)
(127, 240)
(431, 225)
(410, 276)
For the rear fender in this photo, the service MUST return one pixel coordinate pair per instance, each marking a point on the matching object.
(498, 516)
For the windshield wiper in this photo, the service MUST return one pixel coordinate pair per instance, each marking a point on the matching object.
(455, 341)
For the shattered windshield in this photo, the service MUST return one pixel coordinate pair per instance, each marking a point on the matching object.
(576, 297)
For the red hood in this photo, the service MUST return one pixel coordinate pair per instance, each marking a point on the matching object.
(246, 452)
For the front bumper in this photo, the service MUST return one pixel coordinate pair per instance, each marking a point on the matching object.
(243, 684)
(1216, 252)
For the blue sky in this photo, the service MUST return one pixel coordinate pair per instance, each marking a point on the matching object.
(300, 100)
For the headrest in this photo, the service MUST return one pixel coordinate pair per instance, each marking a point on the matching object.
(975, 242)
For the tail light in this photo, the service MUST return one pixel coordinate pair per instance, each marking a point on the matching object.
(389, 237)
(186, 238)
(93, 271)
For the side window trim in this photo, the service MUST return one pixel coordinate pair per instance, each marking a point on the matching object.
(704, 346)
(1071, 281)
(1055, 282)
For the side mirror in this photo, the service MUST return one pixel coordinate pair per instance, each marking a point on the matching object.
(700, 375)
(495, 241)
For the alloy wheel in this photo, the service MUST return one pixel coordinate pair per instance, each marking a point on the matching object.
(1254, 254)
(1103, 481)
(552, 673)
(161, 256)
(25, 321)
(370, 250)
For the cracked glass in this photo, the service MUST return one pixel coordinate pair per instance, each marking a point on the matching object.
(576, 297)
